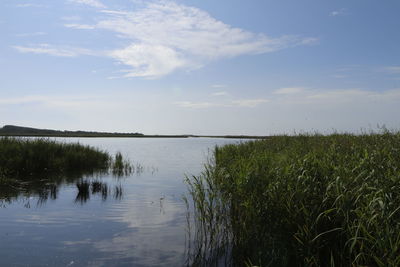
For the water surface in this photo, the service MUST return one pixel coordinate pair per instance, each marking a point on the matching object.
(138, 220)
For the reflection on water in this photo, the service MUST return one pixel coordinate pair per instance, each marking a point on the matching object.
(42, 192)
(88, 188)
(46, 188)
(101, 219)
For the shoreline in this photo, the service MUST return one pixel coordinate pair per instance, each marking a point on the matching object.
(134, 136)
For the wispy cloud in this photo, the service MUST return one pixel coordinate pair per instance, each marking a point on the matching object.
(289, 90)
(149, 60)
(219, 85)
(190, 104)
(71, 18)
(165, 36)
(302, 96)
(247, 103)
(336, 97)
(29, 5)
(339, 12)
(79, 26)
(52, 101)
(92, 3)
(220, 93)
(30, 34)
(19, 100)
(54, 51)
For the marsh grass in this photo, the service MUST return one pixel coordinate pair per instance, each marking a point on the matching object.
(26, 158)
(121, 166)
(306, 200)
(39, 166)
(32, 158)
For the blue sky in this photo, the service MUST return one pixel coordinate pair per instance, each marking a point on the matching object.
(200, 67)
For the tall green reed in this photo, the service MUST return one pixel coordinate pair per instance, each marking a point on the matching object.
(31, 159)
(306, 200)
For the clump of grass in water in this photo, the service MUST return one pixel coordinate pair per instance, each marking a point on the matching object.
(306, 200)
(120, 166)
(30, 159)
(208, 238)
(28, 166)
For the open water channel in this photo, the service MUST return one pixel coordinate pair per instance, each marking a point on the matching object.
(138, 220)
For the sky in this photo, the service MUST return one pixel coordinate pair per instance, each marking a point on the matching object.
(208, 67)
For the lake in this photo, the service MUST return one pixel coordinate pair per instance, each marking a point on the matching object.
(138, 220)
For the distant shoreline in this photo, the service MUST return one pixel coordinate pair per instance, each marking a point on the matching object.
(21, 131)
(133, 136)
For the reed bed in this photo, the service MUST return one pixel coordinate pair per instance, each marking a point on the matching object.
(32, 159)
(305, 200)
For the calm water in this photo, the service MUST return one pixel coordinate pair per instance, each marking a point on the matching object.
(141, 225)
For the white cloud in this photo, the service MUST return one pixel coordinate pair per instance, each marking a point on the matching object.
(19, 100)
(162, 37)
(337, 97)
(289, 90)
(80, 26)
(53, 101)
(190, 104)
(92, 3)
(221, 93)
(301, 96)
(71, 18)
(340, 12)
(218, 85)
(54, 51)
(247, 103)
(149, 60)
(165, 36)
(29, 5)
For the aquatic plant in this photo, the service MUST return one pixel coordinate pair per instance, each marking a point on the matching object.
(121, 166)
(30, 158)
(306, 200)
(39, 166)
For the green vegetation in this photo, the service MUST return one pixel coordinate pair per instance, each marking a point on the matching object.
(307, 200)
(30, 159)
(121, 166)
(27, 159)
(39, 166)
